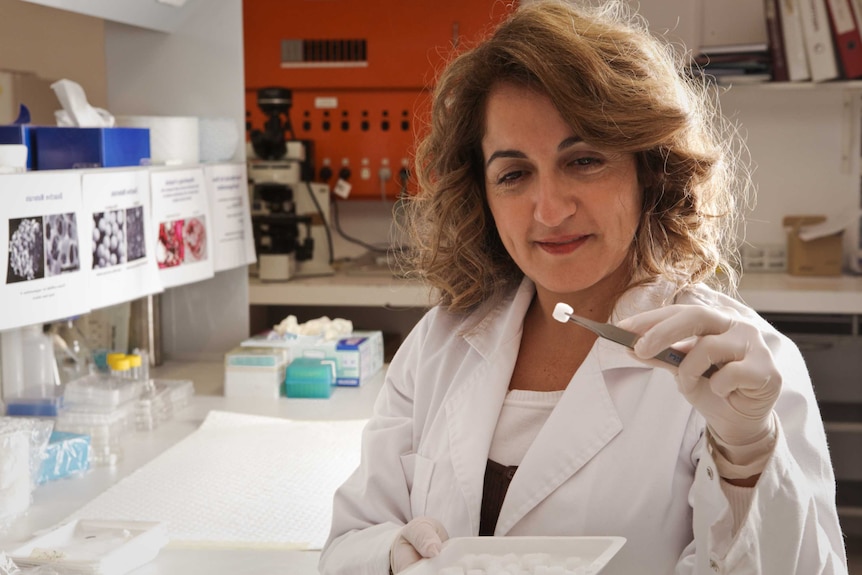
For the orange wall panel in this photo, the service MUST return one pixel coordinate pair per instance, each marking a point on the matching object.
(362, 116)
(407, 39)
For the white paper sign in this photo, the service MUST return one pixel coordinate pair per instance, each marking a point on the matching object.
(181, 218)
(233, 240)
(117, 208)
(45, 255)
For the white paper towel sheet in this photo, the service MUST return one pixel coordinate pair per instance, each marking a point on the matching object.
(241, 481)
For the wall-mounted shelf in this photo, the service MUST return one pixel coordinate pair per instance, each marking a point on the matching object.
(159, 15)
(771, 292)
(764, 292)
(854, 85)
(340, 290)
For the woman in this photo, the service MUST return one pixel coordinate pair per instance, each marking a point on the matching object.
(569, 160)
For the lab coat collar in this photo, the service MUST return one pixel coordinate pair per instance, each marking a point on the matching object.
(473, 409)
(505, 321)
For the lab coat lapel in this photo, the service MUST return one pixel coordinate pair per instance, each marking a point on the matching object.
(473, 409)
(583, 423)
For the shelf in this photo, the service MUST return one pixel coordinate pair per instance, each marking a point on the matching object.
(159, 15)
(769, 293)
(340, 290)
(783, 86)
(764, 292)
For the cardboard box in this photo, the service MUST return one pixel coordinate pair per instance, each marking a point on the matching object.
(70, 148)
(357, 356)
(812, 251)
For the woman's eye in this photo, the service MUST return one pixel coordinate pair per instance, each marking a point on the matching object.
(510, 177)
(586, 162)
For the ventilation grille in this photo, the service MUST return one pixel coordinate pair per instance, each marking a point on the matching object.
(304, 53)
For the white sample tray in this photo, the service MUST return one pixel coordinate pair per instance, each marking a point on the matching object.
(94, 547)
(581, 555)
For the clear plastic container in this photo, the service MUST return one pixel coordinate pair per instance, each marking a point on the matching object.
(39, 366)
(153, 407)
(180, 393)
(135, 371)
(97, 391)
(73, 354)
(121, 368)
(105, 430)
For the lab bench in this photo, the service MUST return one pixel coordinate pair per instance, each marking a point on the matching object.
(821, 314)
(57, 500)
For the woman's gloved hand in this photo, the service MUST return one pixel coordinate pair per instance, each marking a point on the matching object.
(738, 398)
(421, 538)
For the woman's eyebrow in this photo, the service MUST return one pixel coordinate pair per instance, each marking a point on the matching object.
(571, 141)
(505, 154)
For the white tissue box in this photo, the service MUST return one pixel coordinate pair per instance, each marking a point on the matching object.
(357, 356)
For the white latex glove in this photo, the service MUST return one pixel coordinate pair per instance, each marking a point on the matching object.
(421, 538)
(737, 399)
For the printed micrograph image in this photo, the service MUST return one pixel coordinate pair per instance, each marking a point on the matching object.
(195, 237)
(170, 251)
(26, 250)
(135, 246)
(61, 244)
(109, 238)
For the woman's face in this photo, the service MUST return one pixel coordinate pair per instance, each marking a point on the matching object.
(566, 210)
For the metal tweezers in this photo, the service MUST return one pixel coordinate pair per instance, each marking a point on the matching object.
(563, 313)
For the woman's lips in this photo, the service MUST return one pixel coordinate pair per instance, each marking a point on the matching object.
(562, 246)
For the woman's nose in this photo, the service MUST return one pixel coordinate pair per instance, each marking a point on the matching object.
(554, 202)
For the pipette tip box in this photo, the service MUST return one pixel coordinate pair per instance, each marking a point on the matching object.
(254, 372)
(309, 377)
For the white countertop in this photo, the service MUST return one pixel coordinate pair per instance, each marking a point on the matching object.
(765, 292)
(55, 501)
(796, 294)
(340, 289)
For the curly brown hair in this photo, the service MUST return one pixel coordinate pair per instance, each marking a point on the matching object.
(615, 84)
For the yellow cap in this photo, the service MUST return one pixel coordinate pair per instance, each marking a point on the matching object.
(121, 364)
(134, 360)
(112, 357)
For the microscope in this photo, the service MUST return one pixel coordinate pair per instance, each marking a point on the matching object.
(290, 213)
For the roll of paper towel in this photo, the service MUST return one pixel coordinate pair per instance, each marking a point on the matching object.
(173, 139)
(219, 138)
(13, 158)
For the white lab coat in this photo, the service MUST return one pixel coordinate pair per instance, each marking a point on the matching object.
(622, 453)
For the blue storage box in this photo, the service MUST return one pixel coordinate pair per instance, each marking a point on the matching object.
(68, 148)
(34, 406)
(19, 134)
(309, 377)
(65, 454)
